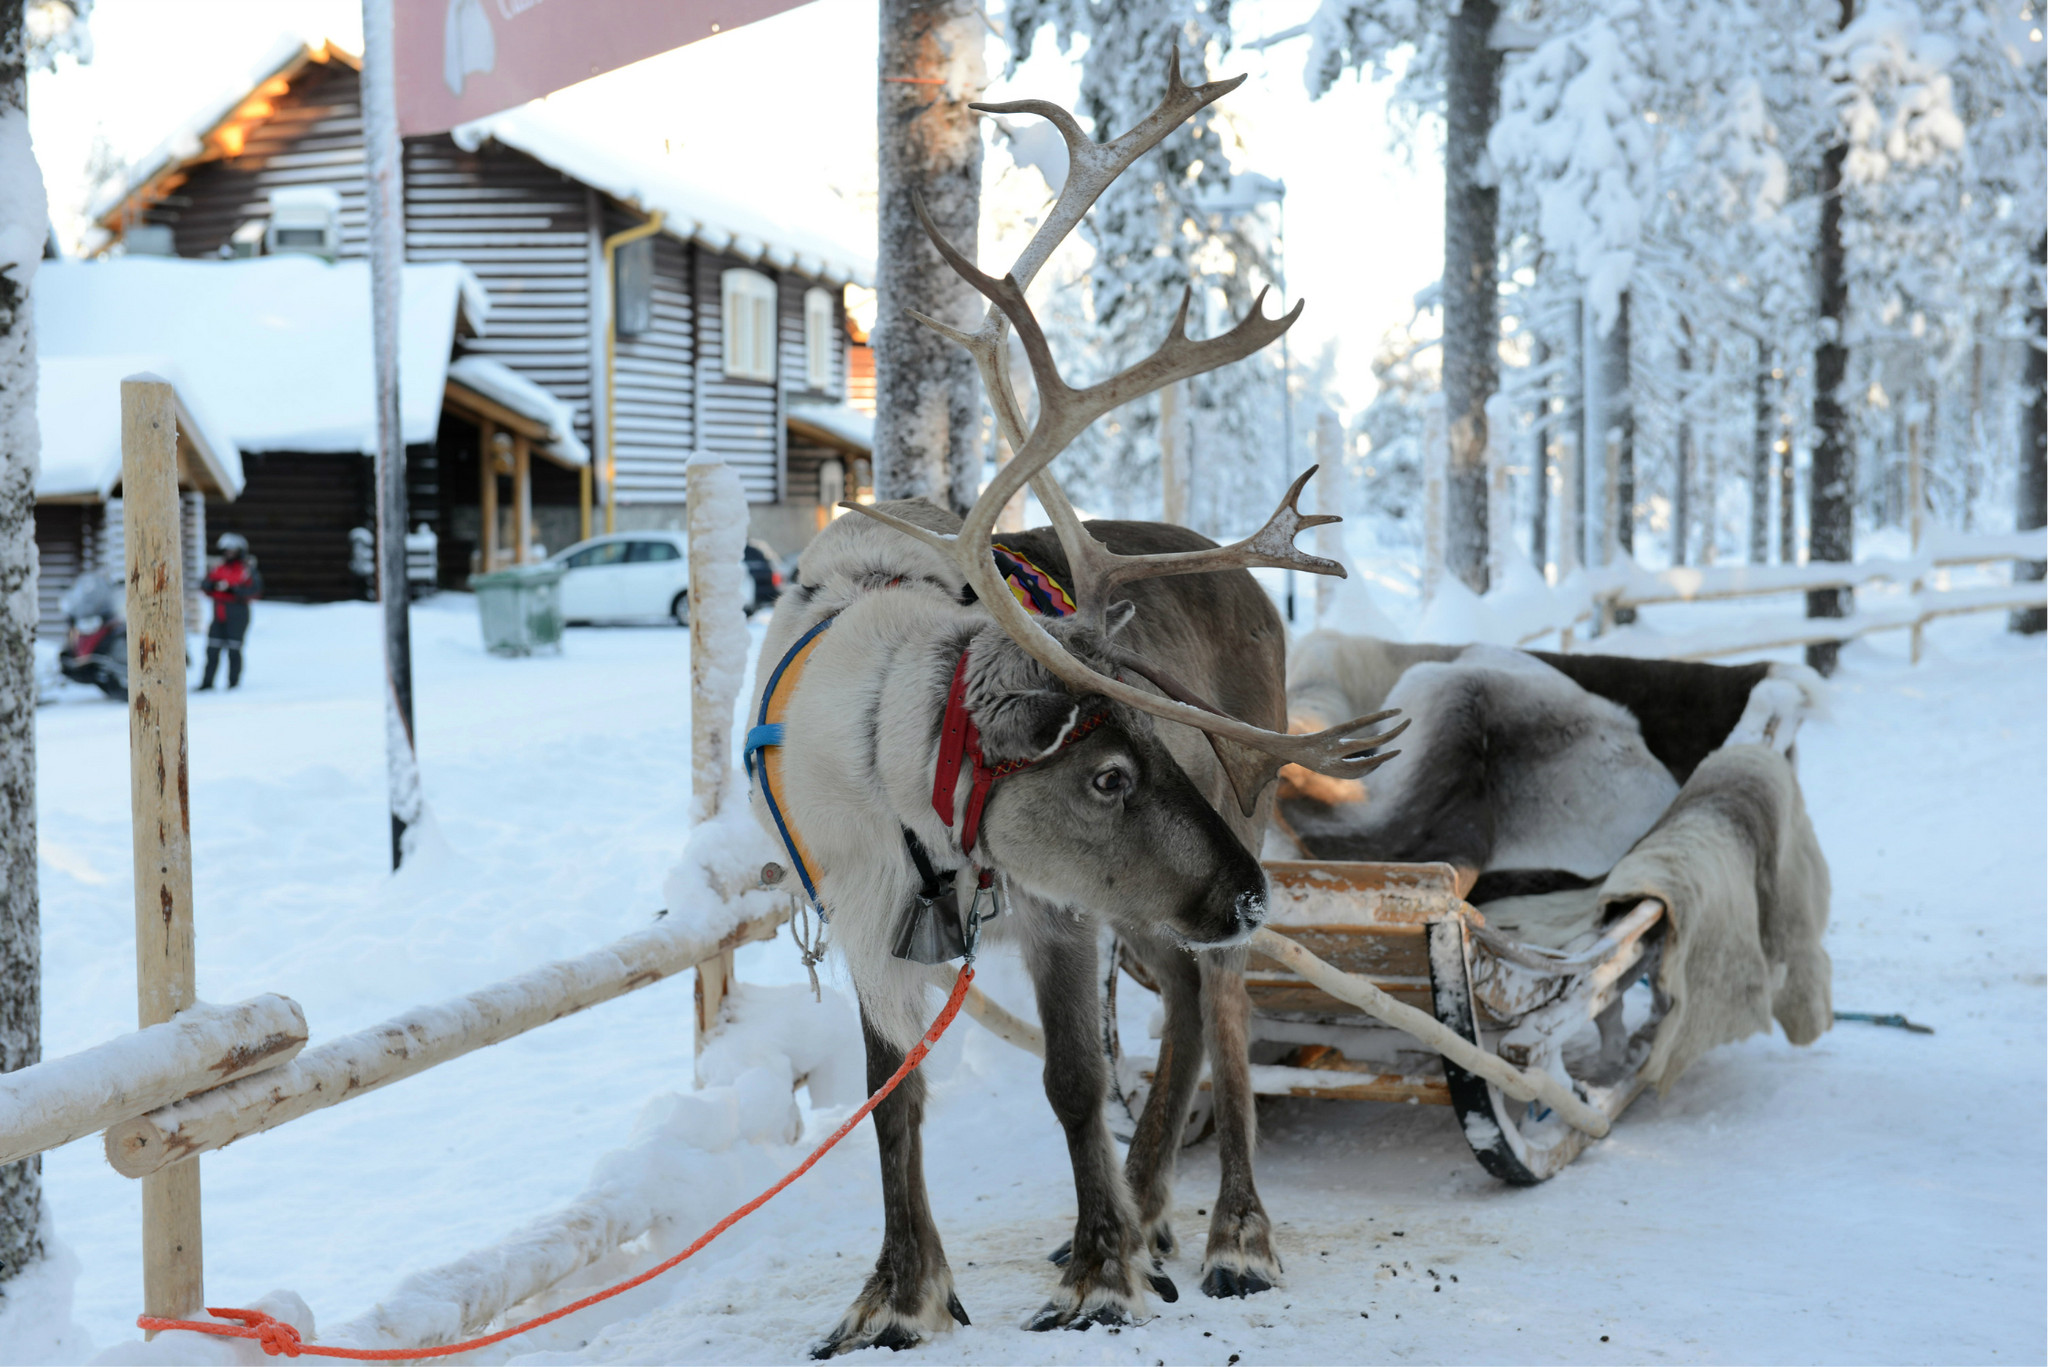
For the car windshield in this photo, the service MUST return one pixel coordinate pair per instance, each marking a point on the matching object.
(604, 553)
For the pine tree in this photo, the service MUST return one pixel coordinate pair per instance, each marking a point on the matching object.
(927, 397)
(1471, 282)
(1178, 220)
(2033, 453)
(1453, 70)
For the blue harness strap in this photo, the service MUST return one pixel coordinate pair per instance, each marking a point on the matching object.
(764, 734)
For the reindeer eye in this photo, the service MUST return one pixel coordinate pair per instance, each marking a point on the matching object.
(1111, 781)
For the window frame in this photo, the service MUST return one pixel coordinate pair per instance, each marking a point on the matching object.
(749, 292)
(633, 289)
(820, 318)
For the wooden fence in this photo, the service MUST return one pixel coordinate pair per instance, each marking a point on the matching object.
(1618, 590)
(196, 1077)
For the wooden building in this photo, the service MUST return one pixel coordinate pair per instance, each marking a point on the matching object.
(78, 521)
(273, 355)
(665, 318)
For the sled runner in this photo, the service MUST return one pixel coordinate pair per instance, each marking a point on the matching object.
(1578, 1005)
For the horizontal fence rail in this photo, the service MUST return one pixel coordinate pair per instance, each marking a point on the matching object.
(50, 1104)
(422, 1038)
(1597, 599)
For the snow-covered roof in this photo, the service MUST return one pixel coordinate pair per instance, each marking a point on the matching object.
(78, 412)
(276, 349)
(501, 384)
(241, 102)
(694, 212)
(835, 420)
(783, 235)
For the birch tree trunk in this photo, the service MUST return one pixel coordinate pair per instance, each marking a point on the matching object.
(1681, 483)
(927, 406)
(1830, 498)
(23, 224)
(1470, 284)
(1760, 463)
(1616, 384)
(1539, 469)
(2033, 481)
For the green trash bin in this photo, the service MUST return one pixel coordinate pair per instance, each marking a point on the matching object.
(520, 608)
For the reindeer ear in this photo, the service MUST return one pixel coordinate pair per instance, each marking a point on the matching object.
(1248, 770)
(1117, 617)
(1025, 722)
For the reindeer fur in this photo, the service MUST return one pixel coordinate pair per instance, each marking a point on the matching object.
(1533, 772)
(1182, 888)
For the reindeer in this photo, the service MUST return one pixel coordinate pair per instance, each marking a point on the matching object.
(920, 720)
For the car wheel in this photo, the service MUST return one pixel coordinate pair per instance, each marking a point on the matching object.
(680, 609)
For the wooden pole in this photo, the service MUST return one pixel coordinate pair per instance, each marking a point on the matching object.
(159, 801)
(522, 498)
(487, 463)
(384, 199)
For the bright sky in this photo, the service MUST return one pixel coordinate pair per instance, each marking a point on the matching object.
(784, 109)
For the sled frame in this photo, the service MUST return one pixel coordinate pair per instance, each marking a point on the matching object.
(1406, 927)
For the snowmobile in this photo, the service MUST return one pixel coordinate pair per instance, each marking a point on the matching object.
(96, 638)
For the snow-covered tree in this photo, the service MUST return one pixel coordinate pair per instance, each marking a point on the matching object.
(1452, 73)
(1178, 219)
(928, 406)
(30, 34)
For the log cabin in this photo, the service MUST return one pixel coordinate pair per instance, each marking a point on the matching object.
(661, 315)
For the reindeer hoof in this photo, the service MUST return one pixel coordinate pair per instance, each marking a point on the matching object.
(876, 1321)
(1163, 1287)
(1223, 1283)
(1164, 1244)
(1062, 1255)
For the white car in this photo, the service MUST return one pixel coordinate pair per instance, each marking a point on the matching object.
(632, 577)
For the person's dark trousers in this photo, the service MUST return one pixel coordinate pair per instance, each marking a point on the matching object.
(224, 636)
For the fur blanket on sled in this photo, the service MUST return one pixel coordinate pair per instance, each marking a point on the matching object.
(1738, 868)
(1567, 788)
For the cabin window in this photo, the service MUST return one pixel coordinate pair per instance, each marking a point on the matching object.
(749, 325)
(305, 219)
(819, 315)
(634, 288)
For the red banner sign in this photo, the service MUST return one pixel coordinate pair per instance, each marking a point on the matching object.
(462, 59)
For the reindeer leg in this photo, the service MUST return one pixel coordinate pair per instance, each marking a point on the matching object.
(1240, 1259)
(1155, 1147)
(1101, 1282)
(909, 1296)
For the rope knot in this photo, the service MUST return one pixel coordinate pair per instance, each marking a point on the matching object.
(273, 1336)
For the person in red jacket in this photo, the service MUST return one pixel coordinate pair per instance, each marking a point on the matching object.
(233, 584)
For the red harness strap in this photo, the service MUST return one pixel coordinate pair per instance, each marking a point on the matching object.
(960, 740)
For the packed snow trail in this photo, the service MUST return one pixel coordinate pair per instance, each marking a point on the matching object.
(1877, 1197)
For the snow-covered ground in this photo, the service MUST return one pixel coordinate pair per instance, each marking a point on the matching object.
(1877, 1197)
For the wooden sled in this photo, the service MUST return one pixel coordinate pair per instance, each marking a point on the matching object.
(1568, 1011)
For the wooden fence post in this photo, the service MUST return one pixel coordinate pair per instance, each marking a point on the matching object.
(171, 1253)
(717, 535)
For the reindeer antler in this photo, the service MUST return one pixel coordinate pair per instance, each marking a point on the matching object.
(1250, 755)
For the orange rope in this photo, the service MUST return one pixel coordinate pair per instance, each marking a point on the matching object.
(275, 1336)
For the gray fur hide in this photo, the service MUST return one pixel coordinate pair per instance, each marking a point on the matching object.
(1507, 765)
(1736, 864)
